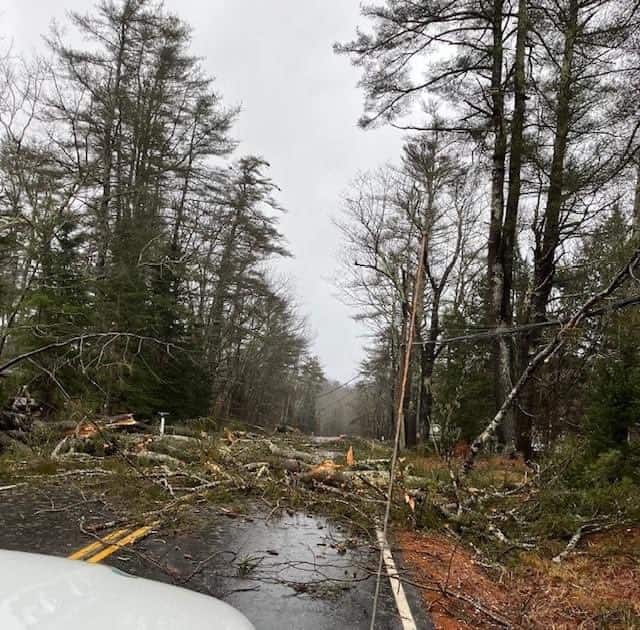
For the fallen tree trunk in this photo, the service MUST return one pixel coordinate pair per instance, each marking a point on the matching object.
(583, 530)
(309, 458)
(371, 464)
(571, 545)
(55, 425)
(156, 458)
(91, 447)
(328, 473)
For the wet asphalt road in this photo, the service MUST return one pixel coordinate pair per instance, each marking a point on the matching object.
(297, 571)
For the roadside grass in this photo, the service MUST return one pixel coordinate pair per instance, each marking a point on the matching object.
(619, 616)
(43, 438)
(8, 471)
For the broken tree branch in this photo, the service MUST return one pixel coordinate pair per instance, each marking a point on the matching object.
(587, 528)
(109, 336)
(546, 354)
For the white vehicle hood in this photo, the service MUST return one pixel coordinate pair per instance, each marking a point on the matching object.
(50, 593)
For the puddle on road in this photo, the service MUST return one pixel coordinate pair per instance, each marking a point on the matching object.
(301, 553)
(301, 568)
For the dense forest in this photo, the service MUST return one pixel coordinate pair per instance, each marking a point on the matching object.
(519, 189)
(136, 245)
(135, 242)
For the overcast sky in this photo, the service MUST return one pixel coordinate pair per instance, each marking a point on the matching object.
(300, 106)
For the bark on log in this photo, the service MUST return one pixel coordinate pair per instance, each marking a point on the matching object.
(573, 543)
(309, 458)
(371, 464)
(327, 473)
(160, 458)
(293, 465)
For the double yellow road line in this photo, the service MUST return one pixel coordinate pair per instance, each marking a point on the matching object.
(103, 547)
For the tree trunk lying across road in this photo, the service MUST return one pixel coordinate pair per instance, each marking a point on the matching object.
(309, 458)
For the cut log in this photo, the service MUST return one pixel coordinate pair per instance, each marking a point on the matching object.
(91, 428)
(157, 458)
(371, 464)
(125, 421)
(328, 473)
(380, 479)
(309, 458)
(293, 465)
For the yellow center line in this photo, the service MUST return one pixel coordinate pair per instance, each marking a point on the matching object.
(127, 540)
(95, 546)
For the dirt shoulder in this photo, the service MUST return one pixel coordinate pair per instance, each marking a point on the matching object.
(597, 587)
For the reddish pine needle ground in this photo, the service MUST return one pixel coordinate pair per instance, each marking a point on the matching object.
(597, 587)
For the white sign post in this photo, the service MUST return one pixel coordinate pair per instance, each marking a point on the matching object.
(163, 415)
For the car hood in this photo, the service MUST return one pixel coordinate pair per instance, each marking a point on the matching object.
(50, 593)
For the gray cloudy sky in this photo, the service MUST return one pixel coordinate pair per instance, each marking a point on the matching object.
(300, 106)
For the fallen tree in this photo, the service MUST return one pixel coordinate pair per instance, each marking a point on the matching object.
(546, 353)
